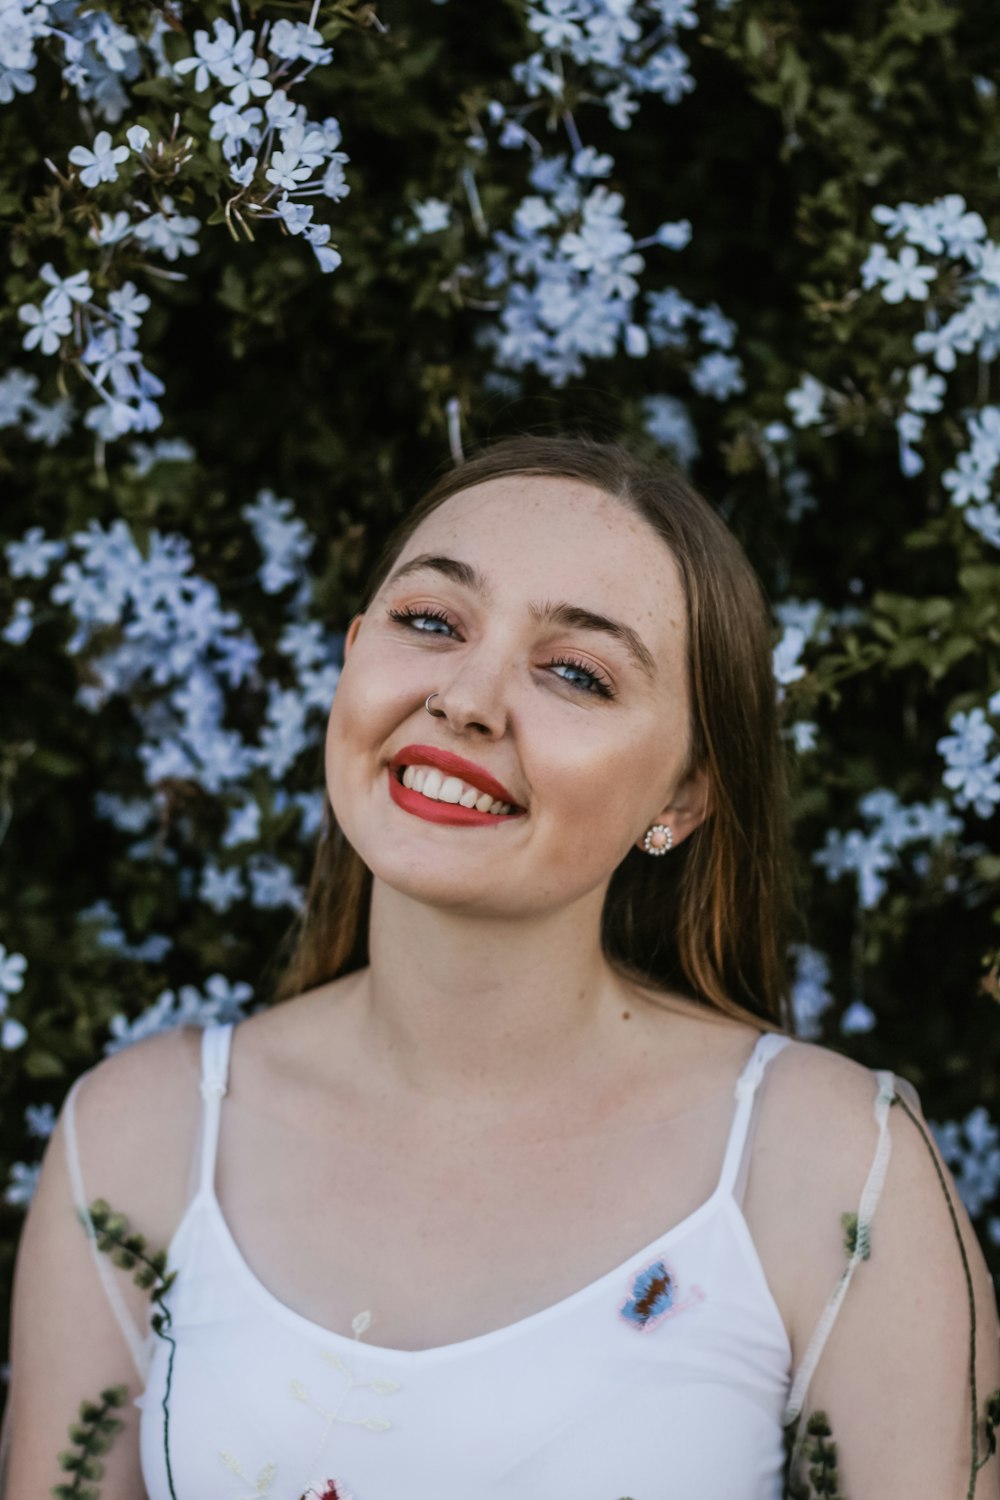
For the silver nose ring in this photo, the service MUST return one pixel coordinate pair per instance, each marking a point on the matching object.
(427, 703)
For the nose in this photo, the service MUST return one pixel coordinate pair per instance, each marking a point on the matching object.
(472, 699)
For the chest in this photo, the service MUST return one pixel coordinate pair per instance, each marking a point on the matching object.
(446, 1236)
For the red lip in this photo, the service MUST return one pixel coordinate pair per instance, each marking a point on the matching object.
(455, 765)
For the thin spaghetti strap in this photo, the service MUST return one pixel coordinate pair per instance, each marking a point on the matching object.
(215, 1045)
(769, 1043)
(134, 1338)
(870, 1194)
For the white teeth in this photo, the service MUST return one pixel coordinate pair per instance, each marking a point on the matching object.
(439, 788)
(433, 782)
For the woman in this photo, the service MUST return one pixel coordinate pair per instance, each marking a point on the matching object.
(523, 1189)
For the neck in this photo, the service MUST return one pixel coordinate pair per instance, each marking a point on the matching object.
(488, 1010)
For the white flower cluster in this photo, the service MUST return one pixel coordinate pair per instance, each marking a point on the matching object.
(99, 57)
(569, 277)
(105, 340)
(628, 49)
(972, 1150)
(812, 997)
(221, 1003)
(12, 967)
(870, 853)
(274, 149)
(972, 775)
(177, 652)
(568, 272)
(291, 159)
(956, 240)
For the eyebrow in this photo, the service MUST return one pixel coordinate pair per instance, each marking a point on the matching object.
(574, 616)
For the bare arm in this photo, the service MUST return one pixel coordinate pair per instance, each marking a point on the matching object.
(897, 1377)
(68, 1345)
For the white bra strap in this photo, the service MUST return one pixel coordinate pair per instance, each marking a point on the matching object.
(133, 1337)
(215, 1042)
(769, 1044)
(870, 1194)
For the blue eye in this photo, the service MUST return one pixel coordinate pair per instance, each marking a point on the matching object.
(594, 684)
(405, 616)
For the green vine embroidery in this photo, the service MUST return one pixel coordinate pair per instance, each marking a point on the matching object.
(96, 1430)
(128, 1250)
(93, 1434)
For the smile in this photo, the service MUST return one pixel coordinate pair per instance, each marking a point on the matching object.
(448, 809)
(430, 782)
(436, 784)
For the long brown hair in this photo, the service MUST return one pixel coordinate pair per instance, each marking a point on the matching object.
(710, 920)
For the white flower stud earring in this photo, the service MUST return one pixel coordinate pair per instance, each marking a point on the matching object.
(659, 839)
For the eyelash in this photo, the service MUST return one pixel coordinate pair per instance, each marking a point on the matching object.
(600, 688)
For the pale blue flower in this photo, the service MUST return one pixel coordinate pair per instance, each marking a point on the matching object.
(128, 304)
(40, 1119)
(972, 1150)
(168, 232)
(811, 996)
(138, 137)
(676, 12)
(113, 229)
(66, 291)
(666, 73)
(221, 888)
(857, 1018)
(12, 967)
(242, 175)
(243, 825)
(33, 555)
(785, 656)
(17, 389)
(926, 391)
(273, 884)
(100, 164)
(22, 1184)
(905, 277)
(50, 424)
(804, 733)
(805, 402)
(21, 624)
(667, 420)
(718, 375)
(968, 480)
(621, 106)
(588, 162)
(47, 327)
(295, 41)
(676, 235)
(433, 214)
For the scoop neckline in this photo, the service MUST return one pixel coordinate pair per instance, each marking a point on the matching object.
(721, 1195)
(206, 1198)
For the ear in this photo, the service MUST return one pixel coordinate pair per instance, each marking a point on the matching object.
(352, 631)
(689, 806)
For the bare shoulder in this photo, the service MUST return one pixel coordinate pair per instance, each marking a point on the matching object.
(817, 1141)
(136, 1118)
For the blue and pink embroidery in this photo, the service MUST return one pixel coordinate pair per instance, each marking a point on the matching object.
(654, 1297)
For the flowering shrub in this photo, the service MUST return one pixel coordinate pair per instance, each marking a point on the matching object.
(267, 266)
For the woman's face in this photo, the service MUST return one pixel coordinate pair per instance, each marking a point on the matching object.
(586, 728)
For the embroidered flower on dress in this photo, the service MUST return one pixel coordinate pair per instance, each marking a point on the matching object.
(653, 1297)
(327, 1489)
